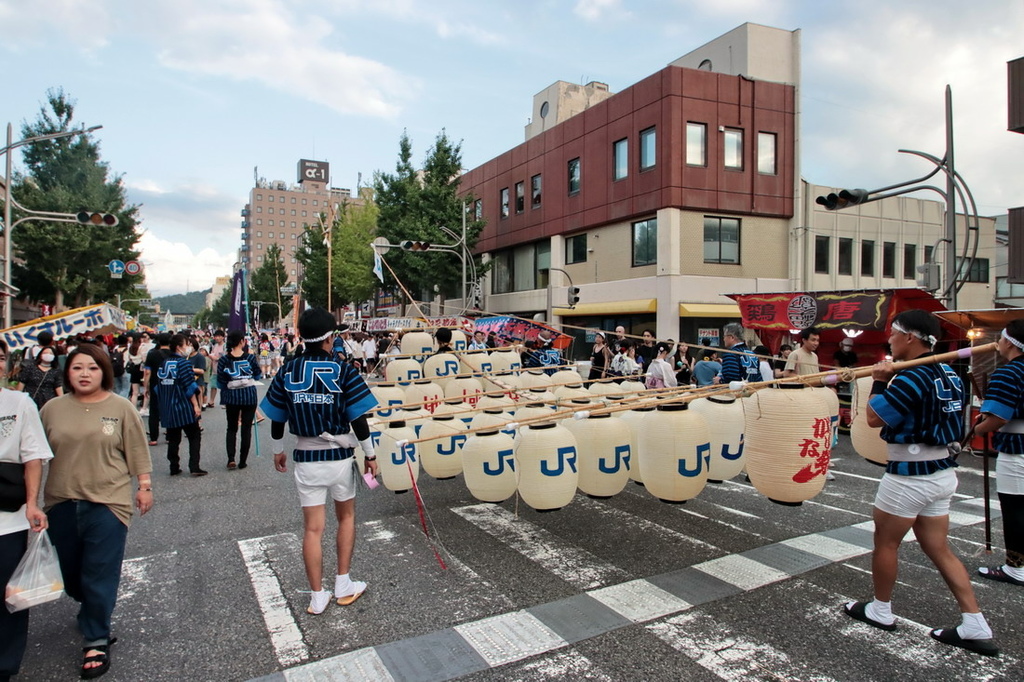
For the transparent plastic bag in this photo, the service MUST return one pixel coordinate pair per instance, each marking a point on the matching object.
(37, 579)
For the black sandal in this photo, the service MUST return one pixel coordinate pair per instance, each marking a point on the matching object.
(985, 647)
(103, 658)
(857, 611)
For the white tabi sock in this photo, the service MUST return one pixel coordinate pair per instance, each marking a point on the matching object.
(974, 626)
(880, 611)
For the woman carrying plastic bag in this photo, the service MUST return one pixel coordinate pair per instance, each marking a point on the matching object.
(23, 449)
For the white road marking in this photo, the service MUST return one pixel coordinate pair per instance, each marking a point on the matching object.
(563, 665)
(509, 637)
(742, 572)
(728, 656)
(570, 563)
(361, 664)
(639, 600)
(826, 547)
(284, 631)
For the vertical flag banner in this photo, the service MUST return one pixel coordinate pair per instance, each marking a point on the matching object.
(236, 318)
(378, 266)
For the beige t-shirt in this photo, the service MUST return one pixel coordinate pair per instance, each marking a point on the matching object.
(803, 362)
(97, 449)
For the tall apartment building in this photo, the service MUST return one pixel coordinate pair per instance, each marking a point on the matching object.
(277, 213)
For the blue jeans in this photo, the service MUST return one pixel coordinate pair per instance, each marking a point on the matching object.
(122, 385)
(89, 540)
(13, 626)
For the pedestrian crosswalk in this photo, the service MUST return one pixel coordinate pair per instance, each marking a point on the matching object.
(529, 595)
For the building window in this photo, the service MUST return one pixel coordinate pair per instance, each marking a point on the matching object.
(259, 233)
(270, 197)
(535, 191)
(888, 259)
(520, 197)
(696, 144)
(282, 234)
(867, 258)
(721, 240)
(259, 197)
(928, 254)
(478, 209)
(648, 148)
(304, 214)
(293, 211)
(303, 203)
(259, 209)
(259, 246)
(821, 254)
(270, 222)
(504, 203)
(620, 159)
(576, 249)
(574, 176)
(522, 268)
(645, 242)
(293, 201)
(293, 223)
(910, 261)
(978, 273)
(314, 202)
(766, 159)
(259, 259)
(844, 265)
(259, 221)
(733, 156)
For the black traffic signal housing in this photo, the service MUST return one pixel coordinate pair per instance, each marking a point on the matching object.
(96, 218)
(845, 198)
(573, 296)
(410, 245)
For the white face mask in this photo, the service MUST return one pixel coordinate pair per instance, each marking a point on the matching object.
(46, 357)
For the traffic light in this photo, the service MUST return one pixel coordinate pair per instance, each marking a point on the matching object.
(929, 277)
(574, 297)
(409, 245)
(845, 197)
(96, 218)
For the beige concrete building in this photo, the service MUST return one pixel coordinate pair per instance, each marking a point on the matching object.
(278, 212)
(879, 245)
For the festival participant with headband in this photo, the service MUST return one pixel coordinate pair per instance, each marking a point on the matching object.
(1003, 413)
(919, 411)
(324, 402)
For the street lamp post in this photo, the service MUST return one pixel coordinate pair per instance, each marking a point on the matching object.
(9, 202)
(257, 304)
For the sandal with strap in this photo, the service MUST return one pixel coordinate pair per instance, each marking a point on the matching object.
(102, 657)
(999, 575)
(858, 611)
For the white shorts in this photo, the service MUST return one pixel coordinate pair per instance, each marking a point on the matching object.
(315, 479)
(913, 496)
(1010, 474)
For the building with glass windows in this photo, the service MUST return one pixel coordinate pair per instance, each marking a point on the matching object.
(658, 200)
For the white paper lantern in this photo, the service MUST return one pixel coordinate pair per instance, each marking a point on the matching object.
(397, 461)
(604, 446)
(417, 345)
(387, 397)
(635, 420)
(535, 378)
(505, 361)
(489, 466)
(468, 389)
(866, 440)
(788, 442)
(459, 340)
(675, 451)
(425, 395)
(441, 456)
(403, 371)
(566, 377)
(440, 368)
(724, 415)
(546, 456)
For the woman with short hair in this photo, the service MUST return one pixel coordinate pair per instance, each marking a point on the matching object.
(99, 445)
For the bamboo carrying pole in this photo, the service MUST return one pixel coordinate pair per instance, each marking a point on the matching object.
(686, 395)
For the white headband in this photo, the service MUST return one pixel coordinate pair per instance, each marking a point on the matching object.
(322, 337)
(929, 339)
(1019, 344)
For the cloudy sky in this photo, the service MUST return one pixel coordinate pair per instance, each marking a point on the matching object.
(195, 94)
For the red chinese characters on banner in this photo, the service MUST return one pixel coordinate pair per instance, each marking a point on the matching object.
(818, 448)
(866, 310)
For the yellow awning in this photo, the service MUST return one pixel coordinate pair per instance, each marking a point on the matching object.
(709, 310)
(639, 305)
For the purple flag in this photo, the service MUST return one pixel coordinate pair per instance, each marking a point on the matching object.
(236, 318)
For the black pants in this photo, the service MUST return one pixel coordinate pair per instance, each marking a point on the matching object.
(154, 417)
(13, 626)
(1013, 528)
(247, 414)
(194, 442)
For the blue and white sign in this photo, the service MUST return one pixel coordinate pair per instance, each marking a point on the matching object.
(116, 267)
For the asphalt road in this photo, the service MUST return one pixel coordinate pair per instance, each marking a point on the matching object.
(726, 587)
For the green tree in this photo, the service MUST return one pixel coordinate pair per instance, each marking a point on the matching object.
(417, 207)
(352, 278)
(265, 285)
(67, 175)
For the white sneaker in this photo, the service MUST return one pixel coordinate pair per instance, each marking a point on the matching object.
(829, 476)
(318, 601)
(144, 412)
(347, 594)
